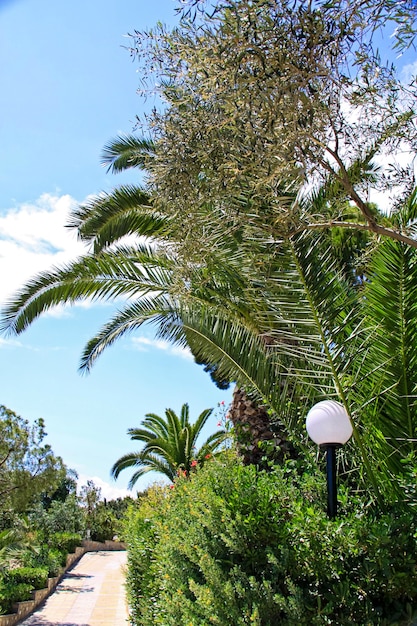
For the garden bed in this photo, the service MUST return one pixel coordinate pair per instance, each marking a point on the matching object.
(23, 609)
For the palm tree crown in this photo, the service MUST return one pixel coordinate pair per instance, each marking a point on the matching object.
(283, 317)
(170, 445)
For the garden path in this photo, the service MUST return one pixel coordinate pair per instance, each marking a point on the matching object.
(92, 593)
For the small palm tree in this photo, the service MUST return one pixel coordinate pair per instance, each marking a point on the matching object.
(15, 542)
(170, 445)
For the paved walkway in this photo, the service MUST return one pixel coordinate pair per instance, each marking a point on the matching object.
(92, 593)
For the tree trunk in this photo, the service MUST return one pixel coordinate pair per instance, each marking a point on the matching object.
(258, 439)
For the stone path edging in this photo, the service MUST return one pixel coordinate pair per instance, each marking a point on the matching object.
(23, 609)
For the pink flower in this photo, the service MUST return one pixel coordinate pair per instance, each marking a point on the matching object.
(194, 463)
(222, 402)
(171, 486)
(208, 456)
(219, 423)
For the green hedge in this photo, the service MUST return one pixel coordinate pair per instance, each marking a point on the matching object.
(11, 592)
(37, 577)
(52, 555)
(236, 546)
(16, 584)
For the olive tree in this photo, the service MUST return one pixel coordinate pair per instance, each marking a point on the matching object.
(263, 93)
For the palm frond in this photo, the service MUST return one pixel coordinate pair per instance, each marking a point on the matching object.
(107, 276)
(163, 449)
(212, 443)
(331, 199)
(156, 424)
(392, 357)
(406, 217)
(153, 464)
(185, 415)
(127, 151)
(143, 434)
(174, 433)
(125, 461)
(156, 310)
(109, 217)
(199, 424)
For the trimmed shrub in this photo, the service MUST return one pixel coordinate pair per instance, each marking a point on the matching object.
(11, 593)
(55, 560)
(36, 577)
(235, 546)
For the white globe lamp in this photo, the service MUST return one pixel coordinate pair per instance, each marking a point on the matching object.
(329, 426)
(328, 423)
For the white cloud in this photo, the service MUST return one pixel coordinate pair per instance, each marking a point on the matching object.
(143, 344)
(13, 343)
(33, 238)
(386, 160)
(409, 72)
(108, 491)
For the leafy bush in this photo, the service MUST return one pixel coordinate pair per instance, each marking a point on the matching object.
(37, 577)
(51, 559)
(52, 556)
(66, 517)
(11, 593)
(103, 523)
(65, 542)
(236, 546)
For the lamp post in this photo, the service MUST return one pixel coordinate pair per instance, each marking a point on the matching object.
(329, 426)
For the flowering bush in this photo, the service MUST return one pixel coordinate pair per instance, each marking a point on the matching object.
(235, 546)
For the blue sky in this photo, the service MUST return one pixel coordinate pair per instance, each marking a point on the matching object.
(67, 87)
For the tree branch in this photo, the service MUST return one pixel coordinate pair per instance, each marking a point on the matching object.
(375, 228)
(343, 177)
(4, 459)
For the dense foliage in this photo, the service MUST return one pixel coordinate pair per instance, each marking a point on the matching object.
(37, 545)
(27, 562)
(28, 466)
(235, 546)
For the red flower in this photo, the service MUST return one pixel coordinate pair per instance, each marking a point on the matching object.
(208, 456)
(194, 463)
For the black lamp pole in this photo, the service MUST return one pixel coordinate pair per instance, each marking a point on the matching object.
(331, 480)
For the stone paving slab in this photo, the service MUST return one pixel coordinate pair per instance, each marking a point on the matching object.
(92, 593)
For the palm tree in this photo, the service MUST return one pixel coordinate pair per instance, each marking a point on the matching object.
(170, 445)
(15, 542)
(158, 271)
(281, 318)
